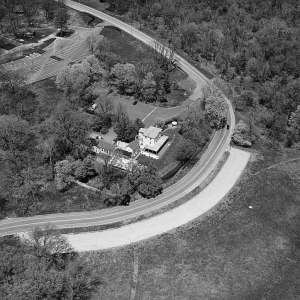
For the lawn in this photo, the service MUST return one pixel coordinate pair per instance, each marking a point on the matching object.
(127, 47)
(148, 113)
(234, 253)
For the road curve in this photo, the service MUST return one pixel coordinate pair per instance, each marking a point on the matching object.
(209, 160)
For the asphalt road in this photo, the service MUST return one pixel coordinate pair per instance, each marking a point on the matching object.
(209, 160)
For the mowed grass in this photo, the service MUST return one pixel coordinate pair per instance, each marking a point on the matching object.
(234, 253)
(127, 47)
(149, 113)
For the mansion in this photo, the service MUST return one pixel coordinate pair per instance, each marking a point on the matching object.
(149, 142)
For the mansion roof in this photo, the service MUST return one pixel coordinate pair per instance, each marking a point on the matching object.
(151, 132)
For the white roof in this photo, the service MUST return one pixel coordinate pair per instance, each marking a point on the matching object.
(124, 146)
(156, 147)
(151, 132)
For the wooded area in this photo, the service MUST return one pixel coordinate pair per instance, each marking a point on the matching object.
(253, 45)
(44, 267)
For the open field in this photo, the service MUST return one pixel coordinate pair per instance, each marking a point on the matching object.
(235, 253)
(148, 113)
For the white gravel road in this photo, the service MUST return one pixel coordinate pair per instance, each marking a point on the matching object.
(192, 209)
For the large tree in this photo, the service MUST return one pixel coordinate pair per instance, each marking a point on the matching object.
(30, 9)
(16, 139)
(69, 129)
(123, 76)
(16, 97)
(74, 80)
(61, 16)
(44, 268)
(146, 181)
(125, 129)
(216, 110)
(49, 8)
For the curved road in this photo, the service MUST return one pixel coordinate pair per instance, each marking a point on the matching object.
(209, 160)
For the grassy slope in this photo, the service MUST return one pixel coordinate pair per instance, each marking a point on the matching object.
(235, 253)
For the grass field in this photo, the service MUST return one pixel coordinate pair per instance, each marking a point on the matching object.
(234, 253)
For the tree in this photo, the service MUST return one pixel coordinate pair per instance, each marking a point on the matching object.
(83, 170)
(185, 151)
(70, 129)
(30, 9)
(16, 138)
(216, 111)
(48, 150)
(64, 175)
(3, 202)
(101, 47)
(125, 129)
(74, 80)
(123, 76)
(188, 36)
(121, 126)
(9, 8)
(15, 97)
(27, 188)
(294, 124)
(10, 80)
(164, 57)
(2, 11)
(45, 267)
(20, 101)
(49, 8)
(148, 89)
(61, 16)
(146, 181)
(47, 242)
